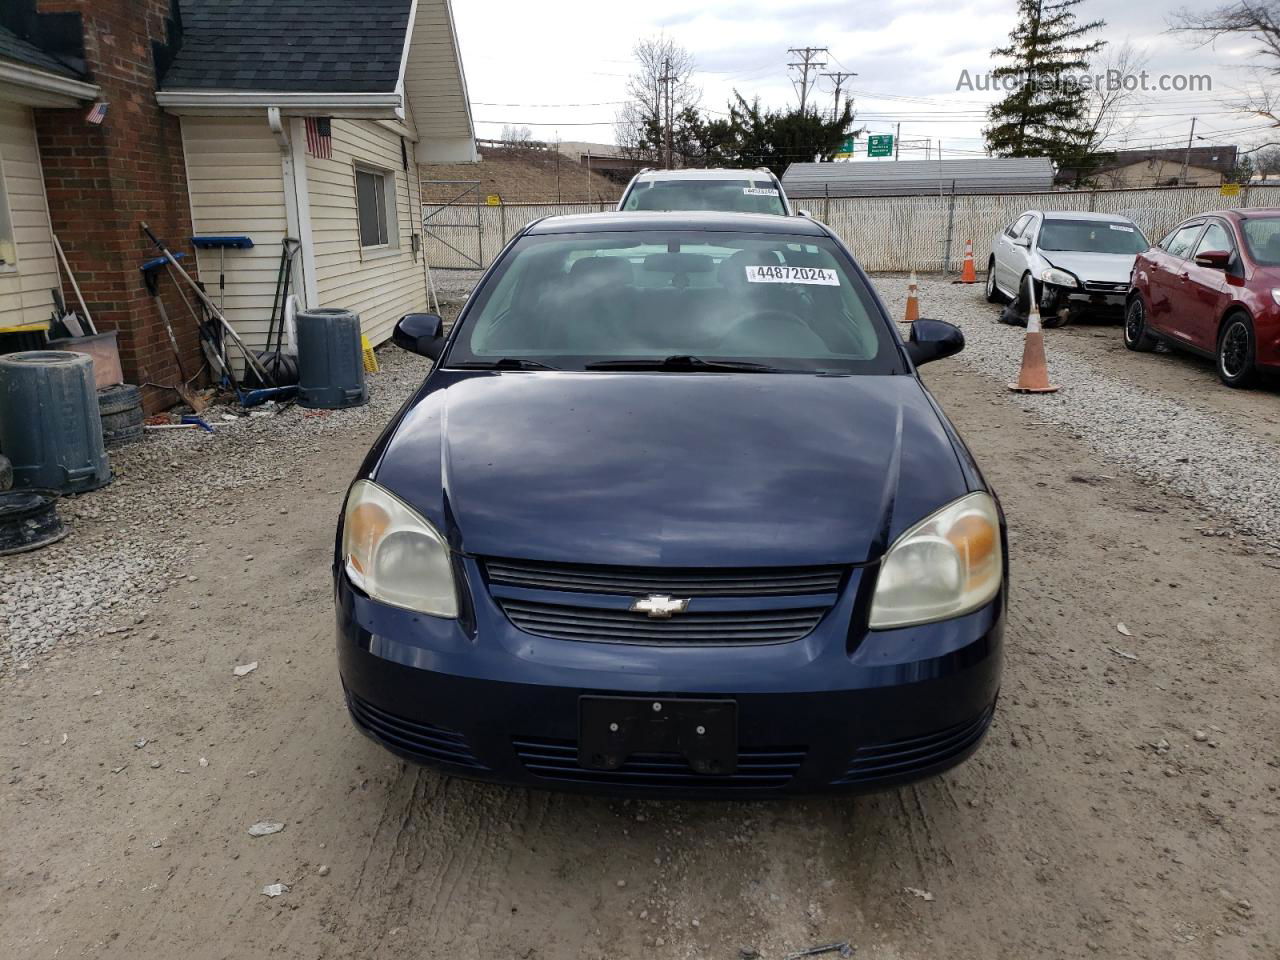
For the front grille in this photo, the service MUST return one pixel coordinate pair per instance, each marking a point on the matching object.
(901, 759)
(424, 741)
(1097, 286)
(758, 769)
(677, 581)
(566, 622)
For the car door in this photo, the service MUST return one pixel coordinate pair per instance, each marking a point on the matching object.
(1169, 274)
(1207, 290)
(1006, 279)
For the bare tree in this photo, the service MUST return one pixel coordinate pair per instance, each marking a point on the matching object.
(1259, 20)
(641, 123)
(516, 135)
(1267, 161)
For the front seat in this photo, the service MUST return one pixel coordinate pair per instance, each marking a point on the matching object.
(590, 311)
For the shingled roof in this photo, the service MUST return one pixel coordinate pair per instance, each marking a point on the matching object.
(14, 48)
(317, 46)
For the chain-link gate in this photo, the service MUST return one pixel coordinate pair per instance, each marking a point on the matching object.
(454, 223)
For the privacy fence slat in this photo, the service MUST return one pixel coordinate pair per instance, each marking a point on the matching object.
(926, 233)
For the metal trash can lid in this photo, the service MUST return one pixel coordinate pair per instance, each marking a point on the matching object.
(44, 357)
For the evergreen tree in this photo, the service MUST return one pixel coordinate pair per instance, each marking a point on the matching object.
(1045, 114)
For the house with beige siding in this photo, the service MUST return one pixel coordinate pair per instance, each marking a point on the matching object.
(30, 78)
(309, 121)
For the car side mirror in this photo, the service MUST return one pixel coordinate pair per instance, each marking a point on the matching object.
(933, 340)
(420, 333)
(804, 213)
(1023, 241)
(1214, 259)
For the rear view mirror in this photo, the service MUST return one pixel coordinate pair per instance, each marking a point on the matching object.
(1214, 259)
(420, 333)
(933, 340)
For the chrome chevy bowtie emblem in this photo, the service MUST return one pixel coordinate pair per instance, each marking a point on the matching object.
(658, 606)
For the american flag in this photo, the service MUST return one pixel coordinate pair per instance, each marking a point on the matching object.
(319, 137)
(98, 113)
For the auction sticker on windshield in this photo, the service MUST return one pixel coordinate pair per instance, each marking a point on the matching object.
(781, 274)
(1121, 227)
(760, 191)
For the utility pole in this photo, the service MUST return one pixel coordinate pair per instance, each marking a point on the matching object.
(839, 76)
(808, 61)
(897, 140)
(1186, 157)
(665, 80)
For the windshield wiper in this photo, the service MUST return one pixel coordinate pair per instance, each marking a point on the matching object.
(505, 363)
(681, 361)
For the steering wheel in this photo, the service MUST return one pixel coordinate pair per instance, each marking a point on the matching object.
(772, 323)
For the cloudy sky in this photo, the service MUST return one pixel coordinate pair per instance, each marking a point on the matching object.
(560, 66)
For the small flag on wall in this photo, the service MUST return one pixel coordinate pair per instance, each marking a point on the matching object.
(97, 113)
(319, 137)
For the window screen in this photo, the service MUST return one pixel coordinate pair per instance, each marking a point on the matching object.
(371, 204)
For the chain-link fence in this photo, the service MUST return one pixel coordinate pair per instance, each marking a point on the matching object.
(926, 233)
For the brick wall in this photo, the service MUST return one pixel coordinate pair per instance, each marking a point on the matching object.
(102, 182)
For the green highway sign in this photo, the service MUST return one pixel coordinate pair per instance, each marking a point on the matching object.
(880, 145)
(846, 147)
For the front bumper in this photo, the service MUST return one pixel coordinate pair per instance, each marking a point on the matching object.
(820, 713)
(1079, 301)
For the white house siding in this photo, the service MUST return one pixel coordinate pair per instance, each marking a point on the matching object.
(379, 284)
(237, 189)
(24, 291)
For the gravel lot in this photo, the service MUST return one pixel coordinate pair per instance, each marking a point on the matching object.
(1221, 451)
(1124, 804)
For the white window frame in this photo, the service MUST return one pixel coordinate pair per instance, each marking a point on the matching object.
(389, 214)
(8, 237)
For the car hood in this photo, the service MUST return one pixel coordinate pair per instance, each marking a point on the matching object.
(671, 469)
(1098, 267)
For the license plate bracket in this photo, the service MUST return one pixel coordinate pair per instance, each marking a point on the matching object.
(704, 732)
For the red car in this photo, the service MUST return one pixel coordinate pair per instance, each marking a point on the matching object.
(1212, 286)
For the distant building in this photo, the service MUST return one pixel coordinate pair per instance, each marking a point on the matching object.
(1206, 167)
(902, 178)
(604, 158)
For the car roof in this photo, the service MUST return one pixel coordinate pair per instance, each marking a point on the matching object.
(709, 220)
(1083, 215)
(708, 173)
(1249, 214)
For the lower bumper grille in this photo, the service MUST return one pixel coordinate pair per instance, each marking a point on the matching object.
(1097, 286)
(424, 741)
(758, 769)
(902, 758)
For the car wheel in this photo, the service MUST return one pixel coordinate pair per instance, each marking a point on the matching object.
(1135, 327)
(993, 292)
(1022, 302)
(1236, 351)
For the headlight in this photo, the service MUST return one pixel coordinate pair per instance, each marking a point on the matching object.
(947, 564)
(1059, 278)
(394, 555)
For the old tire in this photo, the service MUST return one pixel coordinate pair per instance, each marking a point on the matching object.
(1237, 349)
(119, 399)
(118, 438)
(1135, 327)
(993, 292)
(122, 421)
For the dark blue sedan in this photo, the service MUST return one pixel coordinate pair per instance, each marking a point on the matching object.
(673, 514)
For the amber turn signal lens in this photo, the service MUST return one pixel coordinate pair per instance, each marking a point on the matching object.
(974, 538)
(366, 526)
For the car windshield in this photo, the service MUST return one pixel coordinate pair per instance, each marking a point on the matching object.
(1262, 236)
(1092, 236)
(731, 196)
(675, 300)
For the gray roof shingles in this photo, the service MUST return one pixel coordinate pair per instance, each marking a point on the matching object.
(14, 48)
(322, 46)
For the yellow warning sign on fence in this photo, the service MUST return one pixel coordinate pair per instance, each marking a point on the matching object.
(1230, 190)
(493, 200)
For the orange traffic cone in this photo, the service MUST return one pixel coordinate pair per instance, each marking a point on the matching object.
(1034, 375)
(968, 274)
(913, 301)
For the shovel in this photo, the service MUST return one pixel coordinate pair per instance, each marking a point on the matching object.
(151, 274)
